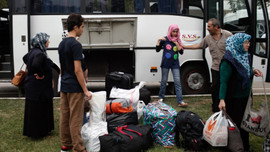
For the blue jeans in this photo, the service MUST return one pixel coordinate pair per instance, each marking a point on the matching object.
(177, 83)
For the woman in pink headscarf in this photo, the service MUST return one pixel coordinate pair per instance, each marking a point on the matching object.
(172, 47)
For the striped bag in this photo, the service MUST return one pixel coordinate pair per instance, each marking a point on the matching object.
(161, 117)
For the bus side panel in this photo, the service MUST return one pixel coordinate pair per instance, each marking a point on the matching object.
(20, 41)
(146, 59)
(259, 63)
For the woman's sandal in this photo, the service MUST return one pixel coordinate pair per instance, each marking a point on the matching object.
(182, 104)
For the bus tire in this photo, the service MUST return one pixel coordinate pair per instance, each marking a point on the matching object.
(194, 80)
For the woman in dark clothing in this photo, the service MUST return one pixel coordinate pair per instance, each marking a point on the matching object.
(236, 80)
(38, 116)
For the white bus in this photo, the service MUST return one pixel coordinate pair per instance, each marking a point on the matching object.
(120, 35)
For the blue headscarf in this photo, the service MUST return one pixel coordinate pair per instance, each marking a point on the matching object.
(39, 41)
(236, 54)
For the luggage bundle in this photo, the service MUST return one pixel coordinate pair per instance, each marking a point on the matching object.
(190, 125)
(120, 119)
(161, 117)
(128, 138)
(120, 85)
(123, 109)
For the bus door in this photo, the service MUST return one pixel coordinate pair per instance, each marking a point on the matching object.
(249, 17)
(260, 37)
(5, 66)
(19, 25)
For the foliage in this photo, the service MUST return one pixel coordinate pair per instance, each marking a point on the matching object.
(12, 113)
(240, 4)
(3, 4)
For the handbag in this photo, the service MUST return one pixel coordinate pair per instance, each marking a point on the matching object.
(18, 79)
(256, 121)
(215, 130)
(235, 143)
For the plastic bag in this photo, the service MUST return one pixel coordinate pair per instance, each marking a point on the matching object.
(132, 94)
(97, 125)
(215, 131)
(140, 107)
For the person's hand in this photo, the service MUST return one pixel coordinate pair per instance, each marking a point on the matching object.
(38, 77)
(176, 43)
(257, 73)
(158, 41)
(222, 105)
(163, 38)
(88, 95)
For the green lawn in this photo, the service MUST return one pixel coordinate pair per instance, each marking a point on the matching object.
(11, 125)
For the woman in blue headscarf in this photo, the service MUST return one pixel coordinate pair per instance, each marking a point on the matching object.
(236, 76)
(38, 85)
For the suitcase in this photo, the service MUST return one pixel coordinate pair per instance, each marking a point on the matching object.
(145, 95)
(162, 119)
(119, 80)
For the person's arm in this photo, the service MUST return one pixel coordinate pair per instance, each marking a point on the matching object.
(54, 66)
(37, 64)
(160, 43)
(194, 46)
(177, 46)
(225, 74)
(86, 75)
(80, 77)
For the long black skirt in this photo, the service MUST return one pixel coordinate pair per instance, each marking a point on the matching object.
(38, 118)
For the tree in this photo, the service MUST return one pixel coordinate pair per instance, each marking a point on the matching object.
(240, 4)
(3, 4)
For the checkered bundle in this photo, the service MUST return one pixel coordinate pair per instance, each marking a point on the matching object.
(161, 117)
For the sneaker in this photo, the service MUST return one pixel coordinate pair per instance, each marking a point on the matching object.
(66, 148)
(182, 104)
(160, 100)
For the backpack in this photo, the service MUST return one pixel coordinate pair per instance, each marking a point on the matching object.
(190, 125)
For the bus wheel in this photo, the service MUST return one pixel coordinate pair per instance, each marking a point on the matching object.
(194, 80)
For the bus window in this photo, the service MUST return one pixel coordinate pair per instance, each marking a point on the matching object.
(235, 16)
(260, 33)
(19, 6)
(55, 6)
(195, 11)
(95, 6)
(191, 7)
(213, 9)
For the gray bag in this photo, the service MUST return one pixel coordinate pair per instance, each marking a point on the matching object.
(235, 143)
(254, 121)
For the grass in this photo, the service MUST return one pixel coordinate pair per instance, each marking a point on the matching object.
(12, 113)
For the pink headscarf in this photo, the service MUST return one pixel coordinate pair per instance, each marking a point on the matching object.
(174, 39)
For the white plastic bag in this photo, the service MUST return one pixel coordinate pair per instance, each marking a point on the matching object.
(140, 107)
(132, 94)
(97, 125)
(97, 107)
(215, 130)
(90, 135)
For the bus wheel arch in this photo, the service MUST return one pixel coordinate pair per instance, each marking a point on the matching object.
(195, 78)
